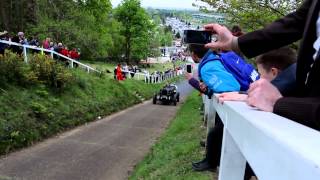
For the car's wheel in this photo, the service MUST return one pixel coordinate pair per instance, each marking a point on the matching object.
(178, 97)
(154, 99)
(175, 101)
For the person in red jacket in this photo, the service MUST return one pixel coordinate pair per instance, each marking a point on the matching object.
(119, 73)
(74, 54)
(64, 51)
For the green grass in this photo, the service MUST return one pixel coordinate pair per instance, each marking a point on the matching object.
(30, 114)
(171, 156)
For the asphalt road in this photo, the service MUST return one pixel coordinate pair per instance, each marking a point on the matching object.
(106, 149)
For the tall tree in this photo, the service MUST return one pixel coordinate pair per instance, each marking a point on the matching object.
(136, 29)
(252, 14)
(16, 15)
(84, 24)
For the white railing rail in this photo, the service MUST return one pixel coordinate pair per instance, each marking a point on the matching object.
(147, 78)
(71, 61)
(275, 147)
(155, 78)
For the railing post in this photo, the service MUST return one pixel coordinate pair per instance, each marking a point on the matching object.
(232, 163)
(211, 114)
(71, 64)
(25, 54)
(51, 54)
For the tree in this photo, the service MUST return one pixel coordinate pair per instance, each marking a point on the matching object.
(137, 29)
(84, 24)
(252, 14)
(16, 15)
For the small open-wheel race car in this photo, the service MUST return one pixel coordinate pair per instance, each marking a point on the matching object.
(167, 95)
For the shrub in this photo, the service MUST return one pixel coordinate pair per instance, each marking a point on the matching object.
(50, 72)
(12, 70)
(40, 70)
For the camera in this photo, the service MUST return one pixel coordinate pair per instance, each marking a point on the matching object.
(197, 37)
(189, 68)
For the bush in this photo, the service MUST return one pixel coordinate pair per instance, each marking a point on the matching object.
(40, 70)
(12, 70)
(50, 72)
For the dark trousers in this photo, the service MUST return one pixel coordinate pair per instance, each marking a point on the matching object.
(214, 143)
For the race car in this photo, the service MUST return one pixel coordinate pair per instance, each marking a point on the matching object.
(167, 95)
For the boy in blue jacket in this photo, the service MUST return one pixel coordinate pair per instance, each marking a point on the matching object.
(213, 74)
(215, 79)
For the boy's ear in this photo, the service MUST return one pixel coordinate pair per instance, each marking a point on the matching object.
(275, 71)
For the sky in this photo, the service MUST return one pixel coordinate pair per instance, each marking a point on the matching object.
(172, 4)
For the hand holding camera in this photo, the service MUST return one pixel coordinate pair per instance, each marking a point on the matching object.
(224, 37)
(197, 37)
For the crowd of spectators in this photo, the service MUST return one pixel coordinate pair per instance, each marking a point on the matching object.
(123, 71)
(47, 44)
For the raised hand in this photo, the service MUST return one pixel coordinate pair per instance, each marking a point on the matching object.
(224, 41)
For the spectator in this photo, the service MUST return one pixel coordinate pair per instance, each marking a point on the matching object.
(3, 46)
(51, 46)
(115, 73)
(14, 48)
(64, 51)
(34, 42)
(119, 73)
(236, 31)
(216, 79)
(304, 106)
(46, 43)
(74, 54)
(278, 67)
(22, 39)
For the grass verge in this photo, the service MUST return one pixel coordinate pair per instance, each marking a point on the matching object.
(171, 156)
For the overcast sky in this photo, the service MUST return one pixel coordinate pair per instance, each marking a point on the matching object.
(174, 4)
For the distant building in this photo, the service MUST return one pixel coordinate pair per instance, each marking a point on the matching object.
(216, 17)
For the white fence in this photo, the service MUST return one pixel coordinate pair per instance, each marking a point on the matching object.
(275, 147)
(72, 62)
(139, 76)
(156, 78)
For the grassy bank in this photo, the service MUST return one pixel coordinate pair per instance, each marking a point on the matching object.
(171, 156)
(36, 103)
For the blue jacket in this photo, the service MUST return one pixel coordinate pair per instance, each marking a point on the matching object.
(215, 76)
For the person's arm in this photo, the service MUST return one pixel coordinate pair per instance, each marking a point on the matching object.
(282, 32)
(302, 110)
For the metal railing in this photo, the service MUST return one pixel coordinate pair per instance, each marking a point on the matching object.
(275, 147)
(72, 62)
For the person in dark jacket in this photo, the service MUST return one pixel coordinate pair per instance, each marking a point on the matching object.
(3, 46)
(304, 106)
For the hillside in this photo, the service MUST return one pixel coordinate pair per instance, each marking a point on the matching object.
(43, 98)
